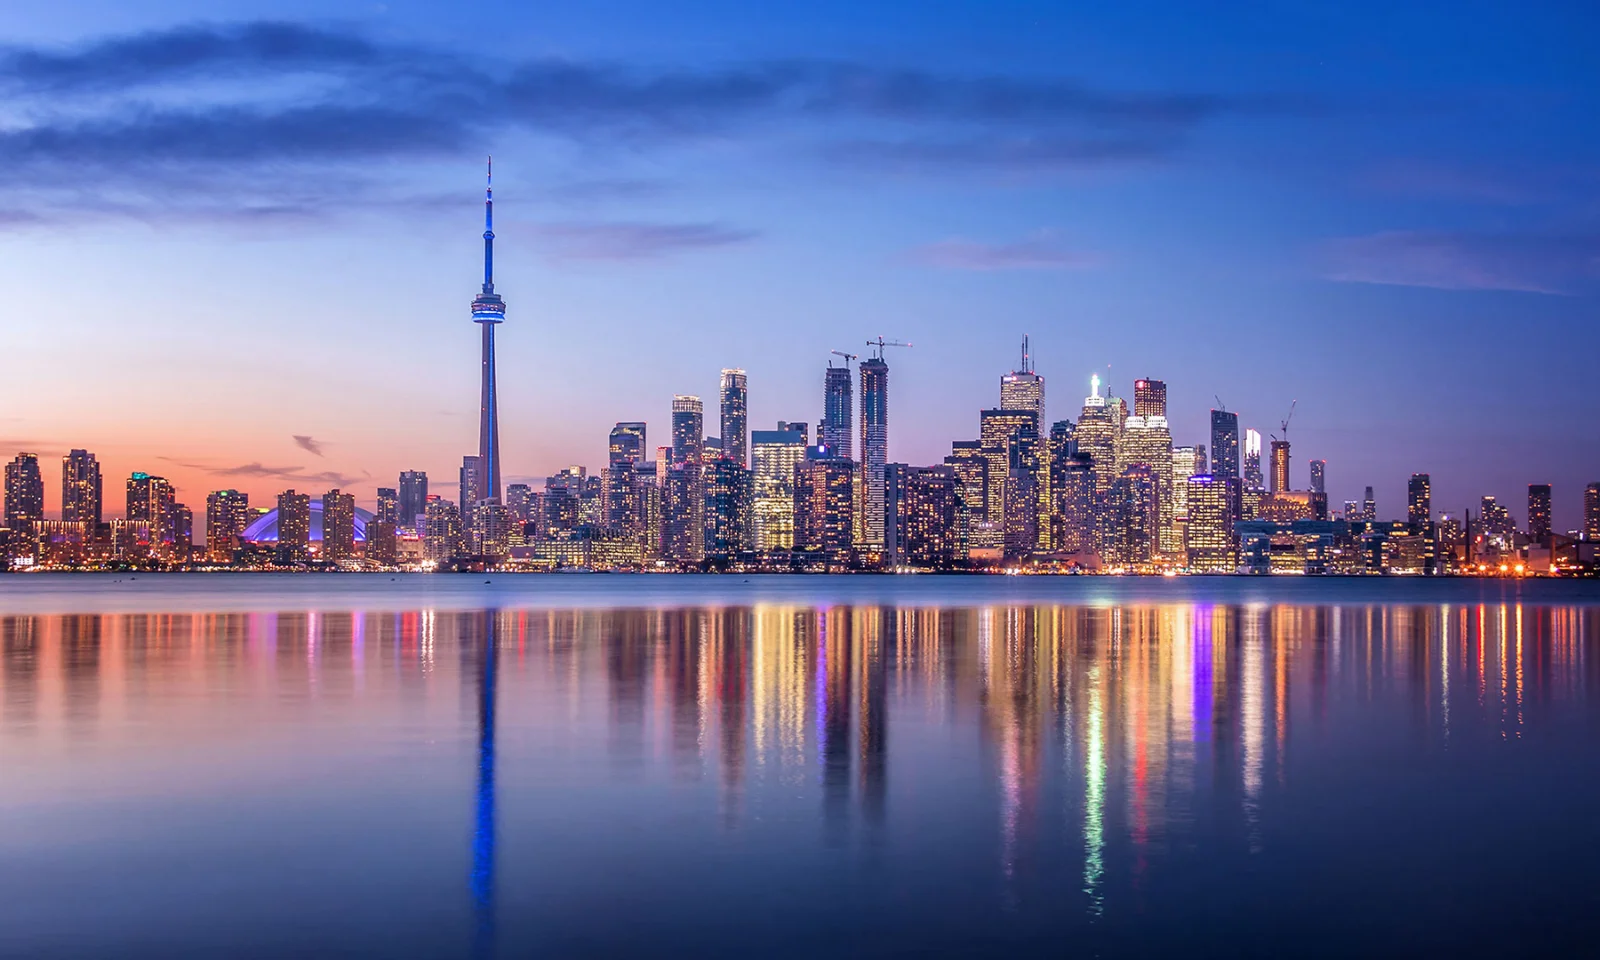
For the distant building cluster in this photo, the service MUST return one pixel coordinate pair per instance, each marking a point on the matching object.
(1109, 492)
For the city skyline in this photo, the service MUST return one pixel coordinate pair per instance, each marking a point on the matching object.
(225, 356)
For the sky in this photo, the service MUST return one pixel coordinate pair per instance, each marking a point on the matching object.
(238, 240)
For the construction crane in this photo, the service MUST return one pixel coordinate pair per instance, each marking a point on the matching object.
(1284, 423)
(1220, 405)
(847, 357)
(880, 343)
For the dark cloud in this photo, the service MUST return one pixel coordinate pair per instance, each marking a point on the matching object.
(1531, 263)
(261, 471)
(634, 241)
(253, 111)
(1040, 252)
(308, 444)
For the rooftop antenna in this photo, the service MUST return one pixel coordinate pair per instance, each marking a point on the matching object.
(1026, 368)
(488, 229)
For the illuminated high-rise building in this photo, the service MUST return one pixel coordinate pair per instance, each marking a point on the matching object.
(1147, 442)
(874, 447)
(1319, 476)
(824, 507)
(388, 505)
(930, 519)
(730, 528)
(519, 503)
(1539, 514)
(488, 311)
(227, 514)
(1591, 512)
(627, 443)
(81, 489)
(1074, 505)
(1419, 500)
(972, 469)
(774, 456)
(1023, 388)
(1025, 478)
(1186, 462)
(338, 526)
(441, 530)
(294, 527)
(837, 411)
(1496, 522)
(1210, 540)
(683, 516)
(1253, 478)
(996, 431)
(1134, 511)
(1280, 467)
(471, 482)
(24, 492)
(1224, 444)
(735, 403)
(1149, 398)
(688, 429)
(151, 499)
(413, 497)
(1096, 434)
(1369, 507)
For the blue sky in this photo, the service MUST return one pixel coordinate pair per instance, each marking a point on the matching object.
(226, 225)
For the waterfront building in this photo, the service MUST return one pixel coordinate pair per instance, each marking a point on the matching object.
(824, 507)
(728, 510)
(441, 530)
(1591, 512)
(996, 429)
(413, 497)
(834, 432)
(735, 400)
(24, 492)
(874, 447)
(1209, 533)
(382, 546)
(1025, 482)
(519, 503)
(338, 526)
(972, 470)
(683, 515)
(930, 520)
(81, 489)
(388, 505)
(151, 499)
(294, 526)
(1074, 504)
(1133, 512)
(471, 481)
(491, 529)
(227, 515)
(1539, 514)
(1147, 442)
(775, 454)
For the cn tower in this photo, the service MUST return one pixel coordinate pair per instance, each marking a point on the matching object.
(488, 309)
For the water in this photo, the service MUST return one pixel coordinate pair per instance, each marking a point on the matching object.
(258, 765)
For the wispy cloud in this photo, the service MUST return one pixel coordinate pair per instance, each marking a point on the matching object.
(1042, 251)
(1527, 262)
(252, 113)
(293, 474)
(635, 241)
(308, 444)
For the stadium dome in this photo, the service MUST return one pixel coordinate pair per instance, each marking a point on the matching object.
(264, 529)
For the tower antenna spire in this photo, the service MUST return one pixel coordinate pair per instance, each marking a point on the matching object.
(488, 229)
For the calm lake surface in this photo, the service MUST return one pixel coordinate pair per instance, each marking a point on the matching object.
(581, 766)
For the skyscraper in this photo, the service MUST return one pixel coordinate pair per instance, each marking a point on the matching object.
(1539, 513)
(469, 486)
(1591, 512)
(996, 431)
(1096, 434)
(1224, 444)
(735, 397)
(835, 433)
(627, 443)
(972, 469)
(81, 490)
(1419, 500)
(1211, 543)
(1185, 464)
(151, 499)
(1253, 478)
(294, 526)
(338, 526)
(1147, 442)
(413, 497)
(874, 446)
(684, 507)
(488, 311)
(1025, 479)
(729, 526)
(1319, 478)
(24, 492)
(775, 455)
(1369, 507)
(930, 519)
(388, 505)
(227, 514)
(1149, 398)
(1280, 467)
(824, 507)
(1023, 389)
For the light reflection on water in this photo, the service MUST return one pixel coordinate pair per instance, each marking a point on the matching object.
(924, 778)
